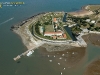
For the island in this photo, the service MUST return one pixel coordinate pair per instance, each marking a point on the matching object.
(58, 31)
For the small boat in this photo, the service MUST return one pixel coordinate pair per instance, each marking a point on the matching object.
(48, 55)
(73, 53)
(62, 54)
(50, 60)
(61, 73)
(64, 69)
(60, 58)
(30, 53)
(58, 63)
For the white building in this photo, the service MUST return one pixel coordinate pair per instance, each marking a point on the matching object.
(88, 20)
(41, 29)
(85, 30)
(59, 33)
(93, 21)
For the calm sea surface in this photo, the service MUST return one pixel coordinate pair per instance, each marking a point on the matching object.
(11, 45)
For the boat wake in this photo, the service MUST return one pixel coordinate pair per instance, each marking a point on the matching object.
(7, 21)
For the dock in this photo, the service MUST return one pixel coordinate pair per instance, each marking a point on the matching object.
(18, 57)
(23, 54)
(38, 44)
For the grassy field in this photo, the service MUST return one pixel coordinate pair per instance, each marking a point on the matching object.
(49, 28)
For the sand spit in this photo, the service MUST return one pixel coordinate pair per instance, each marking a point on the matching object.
(83, 12)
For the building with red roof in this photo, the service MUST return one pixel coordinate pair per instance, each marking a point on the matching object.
(59, 33)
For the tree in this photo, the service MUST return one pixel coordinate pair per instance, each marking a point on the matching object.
(46, 23)
(96, 12)
(92, 25)
(89, 28)
(97, 28)
(85, 24)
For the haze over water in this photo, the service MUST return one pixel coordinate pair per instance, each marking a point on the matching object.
(11, 45)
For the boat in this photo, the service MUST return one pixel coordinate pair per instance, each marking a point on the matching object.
(50, 60)
(60, 58)
(58, 63)
(64, 68)
(61, 73)
(7, 21)
(30, 53)
(48, 55)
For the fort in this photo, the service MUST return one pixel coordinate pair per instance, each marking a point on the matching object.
(49, 28)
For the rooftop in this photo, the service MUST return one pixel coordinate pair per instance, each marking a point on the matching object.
(54, 19)
(64, 35)
(59, 32)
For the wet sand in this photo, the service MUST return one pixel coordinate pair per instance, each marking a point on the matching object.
(93, 68)
(93, 39)
(57, 47)
(68, 58)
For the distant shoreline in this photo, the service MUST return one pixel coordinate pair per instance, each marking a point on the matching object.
(26, 20)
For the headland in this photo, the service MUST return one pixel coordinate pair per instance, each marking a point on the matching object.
(58, 31)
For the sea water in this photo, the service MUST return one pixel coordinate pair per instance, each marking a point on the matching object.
(11, 44)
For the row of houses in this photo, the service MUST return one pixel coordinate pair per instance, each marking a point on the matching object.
(56, 35)
(91, 21)
(59, 33)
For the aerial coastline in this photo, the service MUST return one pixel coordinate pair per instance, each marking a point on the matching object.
(33, 41)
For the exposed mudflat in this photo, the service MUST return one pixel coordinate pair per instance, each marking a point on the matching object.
(93, 68)
(92, 38)
(68, 58)
(55, 47)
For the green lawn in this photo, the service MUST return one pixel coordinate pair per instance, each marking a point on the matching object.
(49, 28)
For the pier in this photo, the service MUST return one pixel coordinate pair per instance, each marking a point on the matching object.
(36, 45)
(24, 53)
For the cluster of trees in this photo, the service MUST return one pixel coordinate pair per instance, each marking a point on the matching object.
(96, 12)
(76, 19)
(94, 28)
(37, 27)
(80, 20)
(47, 23)
(76, 29)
